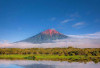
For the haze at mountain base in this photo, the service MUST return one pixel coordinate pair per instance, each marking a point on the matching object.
(74, 42)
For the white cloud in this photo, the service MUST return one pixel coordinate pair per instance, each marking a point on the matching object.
(78, 24)
(67, 20)
(75, 42)
(92, 36)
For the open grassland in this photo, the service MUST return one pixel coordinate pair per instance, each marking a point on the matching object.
(77, 58)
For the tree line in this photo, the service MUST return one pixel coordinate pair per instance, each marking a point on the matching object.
(70, 51)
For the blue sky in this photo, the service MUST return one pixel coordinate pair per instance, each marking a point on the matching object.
(20, 19)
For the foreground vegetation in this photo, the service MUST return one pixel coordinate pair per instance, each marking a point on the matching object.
(77, 58)
(64, 54)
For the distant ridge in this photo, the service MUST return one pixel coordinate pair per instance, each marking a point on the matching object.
(45, 37)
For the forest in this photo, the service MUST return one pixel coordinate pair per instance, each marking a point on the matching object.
(70, 51)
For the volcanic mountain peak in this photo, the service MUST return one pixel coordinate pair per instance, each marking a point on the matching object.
(46, 36)
(50, 32)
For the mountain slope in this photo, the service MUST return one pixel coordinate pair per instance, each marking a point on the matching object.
(45, 37)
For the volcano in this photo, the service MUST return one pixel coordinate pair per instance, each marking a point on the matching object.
(45, 37)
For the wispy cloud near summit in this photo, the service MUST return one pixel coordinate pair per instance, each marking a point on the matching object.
(78, 24)
(67, 20)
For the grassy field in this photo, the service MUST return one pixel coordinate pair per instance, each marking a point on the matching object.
(53, 57)
(40, 56)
